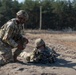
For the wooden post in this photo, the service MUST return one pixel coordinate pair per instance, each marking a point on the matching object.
(40, 17)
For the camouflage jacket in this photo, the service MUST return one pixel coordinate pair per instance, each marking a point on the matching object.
(38, 55)
(10, 32)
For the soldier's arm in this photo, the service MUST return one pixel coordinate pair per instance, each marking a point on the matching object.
(37, 55)
(7, 37)
(52, 52)
(30, 57)
(33, 54)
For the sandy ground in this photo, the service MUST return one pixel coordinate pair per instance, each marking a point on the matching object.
(65, 46)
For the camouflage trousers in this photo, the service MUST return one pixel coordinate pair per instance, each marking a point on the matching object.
(5, 54)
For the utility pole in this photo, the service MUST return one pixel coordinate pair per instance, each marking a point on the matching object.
(40, 16)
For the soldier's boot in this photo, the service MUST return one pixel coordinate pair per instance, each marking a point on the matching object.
(16, 54)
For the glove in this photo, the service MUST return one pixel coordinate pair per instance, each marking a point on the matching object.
(25, 40)
(22, 43)
(20, 47)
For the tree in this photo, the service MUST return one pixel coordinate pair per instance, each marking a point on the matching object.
(60, 10)
(8, 10)
(32, 7)
(5, 10)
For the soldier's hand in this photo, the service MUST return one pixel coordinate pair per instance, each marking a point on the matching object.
(20, 47)
(25, 40)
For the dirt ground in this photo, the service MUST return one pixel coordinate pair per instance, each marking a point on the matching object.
(65, 46)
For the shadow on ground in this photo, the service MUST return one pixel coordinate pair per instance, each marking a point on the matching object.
(58, 63)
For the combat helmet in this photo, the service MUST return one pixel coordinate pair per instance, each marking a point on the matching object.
(22, 14)
(39, 42)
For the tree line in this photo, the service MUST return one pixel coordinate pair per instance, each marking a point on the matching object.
(56, 14)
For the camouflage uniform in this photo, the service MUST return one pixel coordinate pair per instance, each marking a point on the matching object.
(9, 36)
(46, 55)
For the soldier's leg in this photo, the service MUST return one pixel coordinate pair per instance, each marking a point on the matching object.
(5, 53)
(8, 56)
(16, 54)
(5, 56)
(2, 60)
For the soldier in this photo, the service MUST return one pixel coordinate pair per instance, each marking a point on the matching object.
(41, 53)
(10, 38)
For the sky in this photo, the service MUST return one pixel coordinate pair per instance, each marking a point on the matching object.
(23, 0)
(20, 1)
